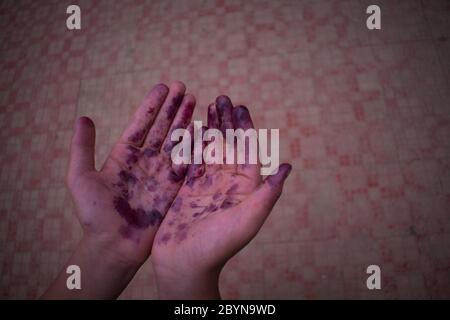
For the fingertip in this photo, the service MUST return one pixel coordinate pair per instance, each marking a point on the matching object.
(178, 86)
(241, 118)
(160, 88)
(224, 109)
(284, 170)
(84, 122)
(222, 99)
(223, 104)
(280, 176)
(189, 98)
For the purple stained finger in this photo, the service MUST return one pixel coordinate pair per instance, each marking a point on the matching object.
(213, 117)
(225, 111)
(241, 118)
(173, 107)
(150, 152)
(132, 157)
(165, 238)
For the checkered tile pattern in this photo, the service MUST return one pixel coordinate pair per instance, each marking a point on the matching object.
(364, 118)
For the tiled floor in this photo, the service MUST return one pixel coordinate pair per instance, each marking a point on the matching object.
(364, 118)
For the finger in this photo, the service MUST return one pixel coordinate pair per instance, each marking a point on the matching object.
(181, 121)
(213, 117)
(196, 170)
(225, 111)
(144, 116)
(179, 170)
(242, 120)
(213, 123)
(166, 114)
(82, 151)
(265, 196)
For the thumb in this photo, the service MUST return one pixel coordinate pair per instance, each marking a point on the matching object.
(266, 195)
(82, 151)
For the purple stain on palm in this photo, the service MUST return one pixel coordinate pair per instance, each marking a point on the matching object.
(176, 205)
(197, 214)
(194, 205)
(151, 184)
(190, 182)
(195, 171)
(182, 226)
(233, 189)
(120, 184)
(137, 218)
(157, 200)
(126, 232)
(211, 208)
(174, 177)
(126, 194)
(208, 181)
(150, 152)
(127, 177)
(156, 144)
(227, 203)
(181, 236)
(132, 157)
(151, 110)
(168, 146)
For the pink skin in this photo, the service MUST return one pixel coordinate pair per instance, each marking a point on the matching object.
(214, 210)
(122, 205)
(218, 210)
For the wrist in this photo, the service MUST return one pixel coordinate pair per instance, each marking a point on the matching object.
(104, 274)
(105, 257)
(176, 284)
(107, 253)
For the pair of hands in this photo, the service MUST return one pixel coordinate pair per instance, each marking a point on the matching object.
(192, 219)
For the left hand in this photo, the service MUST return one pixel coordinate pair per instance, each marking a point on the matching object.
(121, 206)
(217, 211)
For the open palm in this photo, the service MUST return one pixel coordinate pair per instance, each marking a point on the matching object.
(123, 204)
(218, 209)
